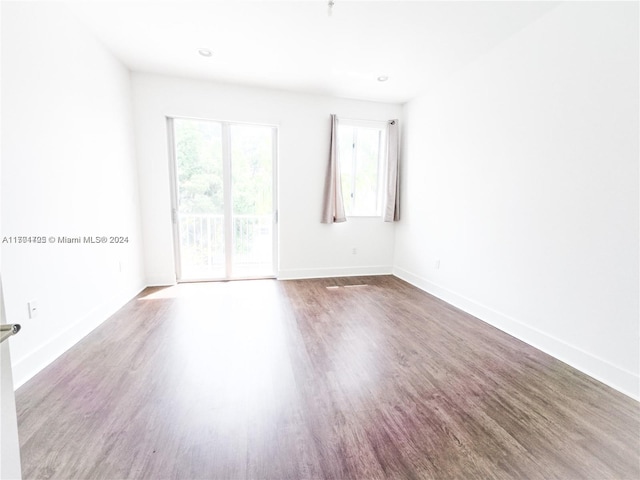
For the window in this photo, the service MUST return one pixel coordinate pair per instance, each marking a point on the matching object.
(361, 152)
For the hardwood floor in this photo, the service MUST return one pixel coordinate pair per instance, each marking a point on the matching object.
(354, 378)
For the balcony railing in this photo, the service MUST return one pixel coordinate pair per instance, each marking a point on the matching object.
(202, 241)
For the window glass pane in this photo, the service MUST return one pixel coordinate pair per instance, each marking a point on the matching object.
(359, 150)
(367, 159)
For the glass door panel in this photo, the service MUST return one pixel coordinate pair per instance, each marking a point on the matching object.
(200, 189)
(252, 151)
(224, 225)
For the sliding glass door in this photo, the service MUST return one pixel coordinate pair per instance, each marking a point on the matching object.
(223, 199)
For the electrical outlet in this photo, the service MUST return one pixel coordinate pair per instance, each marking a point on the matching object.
(33, 308)
(354, 251)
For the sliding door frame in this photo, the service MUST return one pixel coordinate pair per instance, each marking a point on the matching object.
(228, 200)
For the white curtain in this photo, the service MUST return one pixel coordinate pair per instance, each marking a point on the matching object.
(392, 190)
(333, 205)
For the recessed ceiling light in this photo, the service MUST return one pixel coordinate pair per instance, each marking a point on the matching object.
(383, 78)
(205, 52)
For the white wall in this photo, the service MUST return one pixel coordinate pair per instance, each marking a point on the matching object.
(307, 247)
(521, 177)
(68, 168)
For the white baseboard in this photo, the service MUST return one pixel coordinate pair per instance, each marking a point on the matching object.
(161, 284)
(603, 371)
(298, 274)
(27, 367)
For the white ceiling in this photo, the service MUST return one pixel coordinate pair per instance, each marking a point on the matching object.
(295, 45)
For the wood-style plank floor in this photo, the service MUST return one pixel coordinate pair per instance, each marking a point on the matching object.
(356, 378)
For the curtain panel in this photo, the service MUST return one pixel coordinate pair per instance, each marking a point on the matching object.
(392, 190)
(333, 205)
